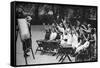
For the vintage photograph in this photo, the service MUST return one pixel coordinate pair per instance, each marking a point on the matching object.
(55, 33)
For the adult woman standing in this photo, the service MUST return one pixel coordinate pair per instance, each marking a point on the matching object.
(23, 23)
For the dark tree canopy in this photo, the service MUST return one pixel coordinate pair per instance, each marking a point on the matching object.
(50, 13)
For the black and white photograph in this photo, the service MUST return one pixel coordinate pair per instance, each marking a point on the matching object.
(48, 33)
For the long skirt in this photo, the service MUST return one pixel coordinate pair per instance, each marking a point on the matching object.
(23, 28)
(24, 34)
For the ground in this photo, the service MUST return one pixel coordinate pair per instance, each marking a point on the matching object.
(37, 33)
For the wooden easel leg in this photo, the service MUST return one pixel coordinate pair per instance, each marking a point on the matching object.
(64, 58)
(36, 50)
(69, 58)
(57, 56)
(25, 56)
(32, 53)
(61, 58)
